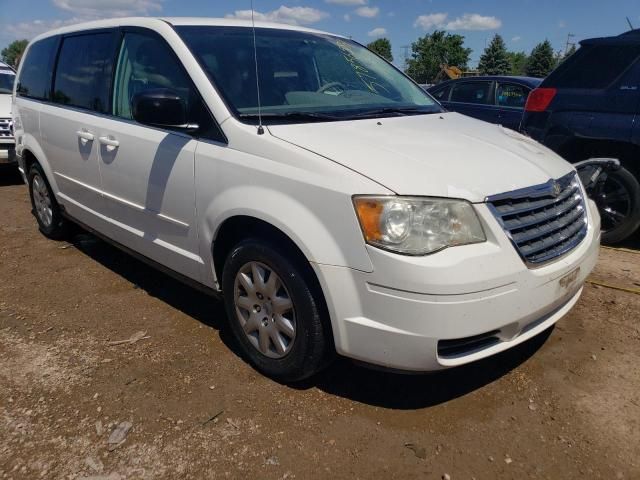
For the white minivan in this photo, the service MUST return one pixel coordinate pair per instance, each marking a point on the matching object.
(334, 204)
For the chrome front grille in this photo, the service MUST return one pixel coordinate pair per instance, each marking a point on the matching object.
(544, 221)
(6, 128)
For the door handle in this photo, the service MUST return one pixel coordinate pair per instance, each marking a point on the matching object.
(110, 143)
(85, 136)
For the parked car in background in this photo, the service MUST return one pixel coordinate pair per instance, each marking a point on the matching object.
(345, 212)
(494, 99)
(590, 107)
(7, 143)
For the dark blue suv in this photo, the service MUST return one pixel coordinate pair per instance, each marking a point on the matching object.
(494, 99)
(590, 107)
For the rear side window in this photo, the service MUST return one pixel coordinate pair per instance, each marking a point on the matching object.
(511, 95)
(471, 92)
(37, 68)
(83, 73)
(594, 66)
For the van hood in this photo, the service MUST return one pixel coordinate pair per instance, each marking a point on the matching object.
(5, 105)
(440, 155)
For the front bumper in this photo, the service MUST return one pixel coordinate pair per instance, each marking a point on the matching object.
(453, 307)
(8, 153)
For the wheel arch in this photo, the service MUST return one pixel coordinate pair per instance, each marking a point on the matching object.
(239, 227)
(32, 153)
(236, 228)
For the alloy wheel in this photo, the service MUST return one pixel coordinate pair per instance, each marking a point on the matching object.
(265, 310)
(42, 201)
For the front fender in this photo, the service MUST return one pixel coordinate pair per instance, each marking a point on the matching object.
(334, 241)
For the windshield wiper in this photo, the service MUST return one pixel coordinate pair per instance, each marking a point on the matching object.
(293, 116)
(399, 111)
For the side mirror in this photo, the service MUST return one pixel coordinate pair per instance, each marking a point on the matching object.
(161, 107)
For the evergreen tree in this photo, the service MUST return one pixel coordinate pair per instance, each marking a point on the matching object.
(430, 52)
(517, 63)
(382, 46)
(495, 59)
(541, 61)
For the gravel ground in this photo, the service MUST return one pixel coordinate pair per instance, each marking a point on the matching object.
(564, 405)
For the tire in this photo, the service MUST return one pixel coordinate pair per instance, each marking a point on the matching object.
(618, 201)
(286, 345)
(44, 205)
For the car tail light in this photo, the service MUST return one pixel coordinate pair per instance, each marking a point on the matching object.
(539, 99)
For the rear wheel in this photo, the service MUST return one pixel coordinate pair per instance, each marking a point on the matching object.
(44, 205)
(618, 201)
(274, 313)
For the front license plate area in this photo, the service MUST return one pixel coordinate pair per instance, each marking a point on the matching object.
(568, 281)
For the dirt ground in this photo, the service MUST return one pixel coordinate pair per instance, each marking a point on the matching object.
(564, 405)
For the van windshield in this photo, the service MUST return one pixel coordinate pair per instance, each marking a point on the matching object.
(303, 76)
(6, 82)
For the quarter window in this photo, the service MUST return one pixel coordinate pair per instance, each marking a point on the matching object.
(83, 73)
(511, 95)
(471, 92)
(37, 68)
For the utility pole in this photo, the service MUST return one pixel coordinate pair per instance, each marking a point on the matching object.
(629, 22)
(569, 42)
(405, 54)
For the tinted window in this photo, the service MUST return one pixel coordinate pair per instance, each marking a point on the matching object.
(37, 67)
(442, 95)
(511, 95)
(146, 62)
(83, 73)
(594, 66)
(6, 82)
(471, 92)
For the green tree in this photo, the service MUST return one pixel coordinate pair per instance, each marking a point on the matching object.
(382, 46)
(495, 59)
(541, 61)
(432, 51)
(517, 63)
(12, 54)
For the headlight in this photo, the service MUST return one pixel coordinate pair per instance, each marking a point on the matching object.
(417, 226)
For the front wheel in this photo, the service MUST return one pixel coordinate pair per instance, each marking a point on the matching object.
(618, 201)
(274, 312)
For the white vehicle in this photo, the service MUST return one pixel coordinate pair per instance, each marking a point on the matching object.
(344, 211)
(7, 143)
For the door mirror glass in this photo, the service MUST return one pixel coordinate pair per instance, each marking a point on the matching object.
(161, 107)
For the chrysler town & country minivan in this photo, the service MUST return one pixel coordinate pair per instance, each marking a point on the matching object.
(335, 206)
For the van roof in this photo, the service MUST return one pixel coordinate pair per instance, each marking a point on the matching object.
(177, 21)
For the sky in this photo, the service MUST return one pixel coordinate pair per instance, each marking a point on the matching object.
(522, 23)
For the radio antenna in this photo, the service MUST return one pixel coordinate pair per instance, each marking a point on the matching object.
(255, 59)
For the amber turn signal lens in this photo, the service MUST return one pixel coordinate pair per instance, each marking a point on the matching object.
(369, 212)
